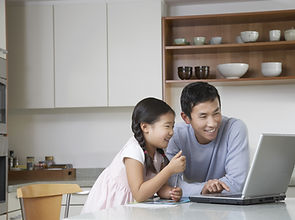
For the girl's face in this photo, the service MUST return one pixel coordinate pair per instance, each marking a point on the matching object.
(158, 134)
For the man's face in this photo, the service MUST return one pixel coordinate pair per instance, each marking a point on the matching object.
(205, 120)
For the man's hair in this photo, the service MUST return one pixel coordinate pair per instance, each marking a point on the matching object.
(196, 93)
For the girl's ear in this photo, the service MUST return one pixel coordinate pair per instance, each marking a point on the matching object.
(185, 118)
(144, 127)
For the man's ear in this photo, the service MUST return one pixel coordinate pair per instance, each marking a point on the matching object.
(185, 118)
(144, 127)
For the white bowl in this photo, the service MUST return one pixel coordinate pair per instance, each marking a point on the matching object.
(216, 40)
(290, 34)
(199, 40)
(271, 68)
(233, 70)
(249, 36)
(180, 41)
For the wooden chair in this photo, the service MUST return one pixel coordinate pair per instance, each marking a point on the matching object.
(43, 201)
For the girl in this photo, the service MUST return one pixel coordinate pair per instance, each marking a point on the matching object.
(141, 168)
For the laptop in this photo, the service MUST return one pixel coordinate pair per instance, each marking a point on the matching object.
(268, 177)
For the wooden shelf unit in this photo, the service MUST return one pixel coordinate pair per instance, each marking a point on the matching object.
(228, 26)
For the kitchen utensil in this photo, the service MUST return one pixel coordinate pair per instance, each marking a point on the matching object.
(216, 40)
(202, 72)
(290, 34)
(239, 40)
(180, 41)
(249, 36)
(274, 35)
(233, 70)
(271, 68)
(199, 40)
(185, 72)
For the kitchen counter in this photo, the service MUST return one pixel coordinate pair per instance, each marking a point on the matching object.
(85, 177)
(280, 210)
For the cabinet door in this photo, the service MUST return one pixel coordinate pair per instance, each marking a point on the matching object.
(31, 76)
(134, 43)
(2, 29)
(3, 217)
(80, 54)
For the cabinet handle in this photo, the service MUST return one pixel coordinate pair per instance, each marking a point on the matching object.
(3, 51)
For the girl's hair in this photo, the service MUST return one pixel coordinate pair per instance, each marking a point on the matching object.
(149, 111)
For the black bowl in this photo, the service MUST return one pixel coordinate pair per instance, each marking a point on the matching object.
(202, 72)
(185, 72)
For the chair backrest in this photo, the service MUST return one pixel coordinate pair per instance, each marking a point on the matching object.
(43, 201)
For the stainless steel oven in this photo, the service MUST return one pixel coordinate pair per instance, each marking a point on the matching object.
(3, 97)
(3, 173)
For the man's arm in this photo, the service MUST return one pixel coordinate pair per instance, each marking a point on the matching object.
(237, 159)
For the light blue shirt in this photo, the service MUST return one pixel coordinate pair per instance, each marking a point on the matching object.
(225, 158)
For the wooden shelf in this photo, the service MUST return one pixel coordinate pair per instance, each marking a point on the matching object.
(221, 48)
(24, 176)
(240, 81)
(228, 26)
(231, 18)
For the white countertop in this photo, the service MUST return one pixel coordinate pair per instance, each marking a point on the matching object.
(280, 210)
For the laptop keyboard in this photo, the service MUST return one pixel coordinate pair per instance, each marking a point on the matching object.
(225, 195)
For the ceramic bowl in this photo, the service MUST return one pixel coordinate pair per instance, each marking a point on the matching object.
(180, 41)
(216, 40)
(199, 40)
(289, 34)
(271, 68)
(184, 72)
(233, 70)
(202, 72)
(249, 36)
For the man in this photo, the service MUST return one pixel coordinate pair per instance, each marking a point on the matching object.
(215, 146)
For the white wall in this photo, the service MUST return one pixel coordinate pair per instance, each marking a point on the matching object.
(91, 137)
(84, 137)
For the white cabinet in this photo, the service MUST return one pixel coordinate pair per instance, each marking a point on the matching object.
(134, 51)
(80, 54)
(3, 217)
(90, 54)
(31, 73)
(2, 30)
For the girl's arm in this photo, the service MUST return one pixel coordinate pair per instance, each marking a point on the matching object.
(141, 190)
(169, 192)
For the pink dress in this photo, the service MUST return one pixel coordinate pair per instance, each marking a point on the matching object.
(111, 187)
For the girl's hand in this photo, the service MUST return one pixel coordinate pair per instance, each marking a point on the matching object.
(176, 193)
(177, 163)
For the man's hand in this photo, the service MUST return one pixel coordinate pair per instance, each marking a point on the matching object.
(214, 186)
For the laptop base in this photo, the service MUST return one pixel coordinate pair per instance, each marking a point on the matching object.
(249, 201)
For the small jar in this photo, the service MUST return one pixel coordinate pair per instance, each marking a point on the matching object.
(49, 161)
(30, 163)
